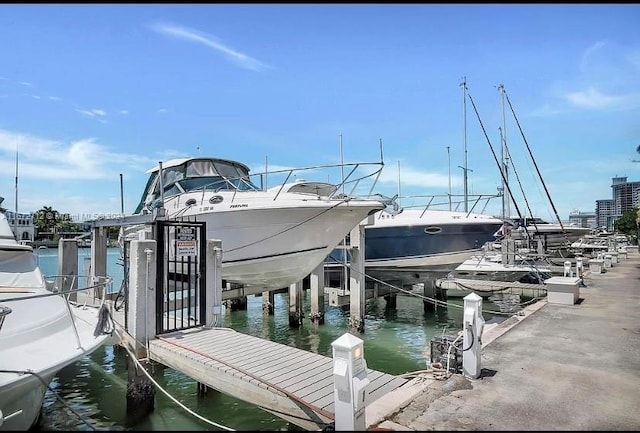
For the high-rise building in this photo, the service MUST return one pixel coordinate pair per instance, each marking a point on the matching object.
(626, 196)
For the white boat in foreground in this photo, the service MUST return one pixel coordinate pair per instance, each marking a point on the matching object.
(40, 333)
(271, 237)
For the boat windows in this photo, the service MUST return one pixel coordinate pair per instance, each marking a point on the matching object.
(432, 230)
(208, 182)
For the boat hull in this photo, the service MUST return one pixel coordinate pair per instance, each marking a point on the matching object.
(39, 336)
(415, 247)
(22, 401)
(272, 248)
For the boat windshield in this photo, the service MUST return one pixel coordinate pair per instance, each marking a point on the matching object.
(197, 174)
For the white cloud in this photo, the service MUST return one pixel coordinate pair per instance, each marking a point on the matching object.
(55, 160)
(608, 79)
(196, 36)
(584, 63)
(35, 96)
(25, 83)
(123, 112)
(162, 110)
(94, 112)
(592, 98)
(55, 98)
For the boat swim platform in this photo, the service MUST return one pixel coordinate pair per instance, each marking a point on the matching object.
(294, 384)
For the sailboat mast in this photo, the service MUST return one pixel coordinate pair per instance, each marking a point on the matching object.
(506, 211)
(464, 129)
(15, 217)
(399, 193)
(449, 161)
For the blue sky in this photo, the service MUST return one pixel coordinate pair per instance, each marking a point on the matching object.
(89, 92)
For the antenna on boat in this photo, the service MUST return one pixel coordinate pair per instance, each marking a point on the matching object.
(121, 196)
(399, 194)
(15, 217)
(266, 171)
(341, 164)
(345, 281)
(464, 128)
(506, 211)
(449, 160)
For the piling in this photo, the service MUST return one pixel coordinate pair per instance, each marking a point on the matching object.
(142, 327)
(296, 313)
(68, 267)
(268, 301)
(316, 283)
(356, 280)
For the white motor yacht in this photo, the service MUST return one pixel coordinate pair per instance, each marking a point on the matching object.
(41, 332)
(271, 237)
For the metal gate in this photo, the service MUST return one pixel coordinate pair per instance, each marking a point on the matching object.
(181, 271)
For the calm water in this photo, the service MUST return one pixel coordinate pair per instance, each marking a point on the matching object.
(95, 387)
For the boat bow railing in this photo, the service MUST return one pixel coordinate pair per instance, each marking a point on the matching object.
(450, 202)
(359, 174)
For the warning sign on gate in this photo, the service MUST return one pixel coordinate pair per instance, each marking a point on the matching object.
(186, 248)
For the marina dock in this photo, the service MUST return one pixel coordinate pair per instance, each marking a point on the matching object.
(294, 384)
(557, 367)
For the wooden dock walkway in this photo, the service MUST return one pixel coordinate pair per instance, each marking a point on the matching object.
(294, 384)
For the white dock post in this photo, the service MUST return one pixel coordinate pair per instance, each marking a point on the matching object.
(98, 256)
(142, 301)
(472, 327)
(316, 283)
(607, 261)
(68, 266)
(567, 269)
(141, 322)
(356, 280)
(214, 283)
(579, 267)
(349, 383)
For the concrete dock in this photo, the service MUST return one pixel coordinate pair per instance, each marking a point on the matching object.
(557, 367)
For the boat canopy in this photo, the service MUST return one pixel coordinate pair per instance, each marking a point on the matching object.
(189, 174)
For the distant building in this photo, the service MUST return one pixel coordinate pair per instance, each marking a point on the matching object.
(626, 196)
(22, 225)
(583, 219)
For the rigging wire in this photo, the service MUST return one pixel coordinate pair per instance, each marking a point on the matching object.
(537, 169)
(497, 162)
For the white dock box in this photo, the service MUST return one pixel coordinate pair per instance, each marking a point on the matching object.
(563, 290)
(596, 266)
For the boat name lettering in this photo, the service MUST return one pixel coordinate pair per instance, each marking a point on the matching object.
(239, 205)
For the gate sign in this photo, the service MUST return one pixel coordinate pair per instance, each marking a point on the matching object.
(185, 248)
(185, 233)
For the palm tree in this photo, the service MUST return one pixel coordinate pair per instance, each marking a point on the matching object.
(45, 219)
